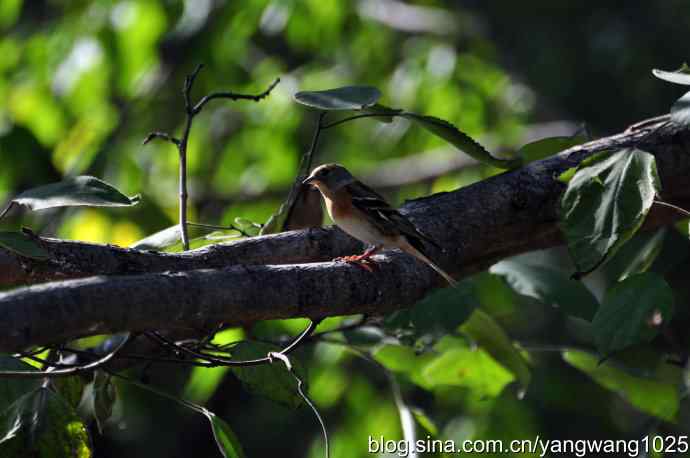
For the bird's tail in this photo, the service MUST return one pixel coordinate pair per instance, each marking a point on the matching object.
(419, 255)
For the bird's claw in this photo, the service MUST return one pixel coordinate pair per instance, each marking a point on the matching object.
(362, 261)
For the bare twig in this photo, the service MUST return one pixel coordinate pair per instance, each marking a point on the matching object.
(68, 371)
(191, 111)
(680, 210)
(7, 209)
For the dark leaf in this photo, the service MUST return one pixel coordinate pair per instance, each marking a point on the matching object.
(225, 438)
(342, 98)
(460, 140)
(548, 286)
(272, 381)
(104, 397)
(78, 191)
(632, 312)
(23, 245)
(605, 203)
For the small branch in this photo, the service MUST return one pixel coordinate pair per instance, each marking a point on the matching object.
(680, 210)
(231, 227)
(67, 372)
(351, 118)
(191, 111)
(234, 96)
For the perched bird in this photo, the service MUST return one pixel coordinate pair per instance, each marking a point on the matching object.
(365, 215)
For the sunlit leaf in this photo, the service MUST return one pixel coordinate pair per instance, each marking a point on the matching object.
(160, 240)
(680, 111)
(489, 335)
(650, 396)
(342, 98)
(459, 139)
(23, 245)
(632, 312)
(77, 191)
(272, 381)
(548, 286)
(546, 147)
(605, 203)
(680, 76)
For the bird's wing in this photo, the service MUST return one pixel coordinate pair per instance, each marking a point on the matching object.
(387, 219)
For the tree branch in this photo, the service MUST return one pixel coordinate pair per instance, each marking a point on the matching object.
(478, 225)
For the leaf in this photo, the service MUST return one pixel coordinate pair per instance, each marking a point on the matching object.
(656, 398)
(546, 147)
(46, 422)
(460, 140)
(438, 314)
(548, 286)
(605, 203)
(342, 98)
(160, 240)
(268, 380)
(489, 335)
(680, 76)
(78, 191)
(13, 388)
(473, 369)
(680, 111)
(225, 438)
(387, 113)
(104, 398)
(23, 245)
(639, 254)
(632, 312)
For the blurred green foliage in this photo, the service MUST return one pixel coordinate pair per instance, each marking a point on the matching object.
(83, 82)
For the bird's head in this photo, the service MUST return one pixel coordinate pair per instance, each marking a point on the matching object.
(329, 176)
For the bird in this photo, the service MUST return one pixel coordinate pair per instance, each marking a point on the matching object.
(363, 214)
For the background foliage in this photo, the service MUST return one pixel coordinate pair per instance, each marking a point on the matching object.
(82, 83)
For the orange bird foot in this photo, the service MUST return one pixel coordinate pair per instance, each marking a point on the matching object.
(361, 260)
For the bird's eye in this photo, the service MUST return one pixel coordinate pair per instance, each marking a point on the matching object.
(325, 172)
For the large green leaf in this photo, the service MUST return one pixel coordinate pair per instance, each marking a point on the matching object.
(473, 369)
(546, 147)
(459, 139)
(269, 380)
(680, 111)
(23, 245)
(680, 76)
(606, 203)
(548, 286)
(12, 389)
(632, 312)
(342, 98)
(78, 191)
(651, 396)
(489, 335)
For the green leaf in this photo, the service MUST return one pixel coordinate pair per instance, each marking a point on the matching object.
(632, 312)
(23, 245)
(272, 381)
(546, 147)
(605, 203)
(680, 111)
(460, 140)
(387, 113)
(342, 98)
(489, 335)
(639, 254)
(653, 397)
(160, 240)
(225, 438)
(680, 76)
(12, 389)
(400, 358)
(548, 286)
(473, 369)
(78, 191)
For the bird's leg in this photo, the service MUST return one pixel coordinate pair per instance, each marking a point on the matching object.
(362, 260)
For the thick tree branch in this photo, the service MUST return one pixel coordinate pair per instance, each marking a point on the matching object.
(478, 225)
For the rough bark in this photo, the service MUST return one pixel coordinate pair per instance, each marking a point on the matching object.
(266, 277)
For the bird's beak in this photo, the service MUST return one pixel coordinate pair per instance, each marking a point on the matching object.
(308, 181)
